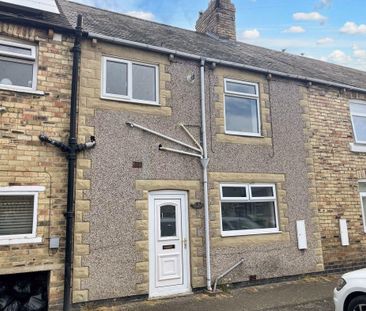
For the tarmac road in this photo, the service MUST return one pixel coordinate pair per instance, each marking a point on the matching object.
(322, 305)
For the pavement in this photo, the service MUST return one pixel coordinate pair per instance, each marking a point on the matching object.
(306, 294)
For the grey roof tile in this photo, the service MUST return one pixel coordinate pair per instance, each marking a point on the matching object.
(138, 30)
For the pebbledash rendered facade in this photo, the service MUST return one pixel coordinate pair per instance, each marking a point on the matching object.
(283, 157)
(280, 140)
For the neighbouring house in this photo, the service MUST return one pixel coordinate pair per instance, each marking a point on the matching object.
(35, 86)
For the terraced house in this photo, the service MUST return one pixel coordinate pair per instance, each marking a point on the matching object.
(210, 153)
(35, 89)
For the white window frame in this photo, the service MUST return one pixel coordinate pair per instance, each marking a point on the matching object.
(249, 198)
(22, 191)
(23, 59)
(363, 195)
(359, 102)
(243, 95)
(128, 98)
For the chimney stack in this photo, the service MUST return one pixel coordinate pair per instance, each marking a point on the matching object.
(218, 19)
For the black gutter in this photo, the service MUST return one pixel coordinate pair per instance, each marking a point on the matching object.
(71, 151)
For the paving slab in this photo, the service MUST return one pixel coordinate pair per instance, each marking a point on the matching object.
(309, 293)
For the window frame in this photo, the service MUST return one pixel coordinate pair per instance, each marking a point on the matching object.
(249, 198)
(128, 97)
(23, 191)
(22, 59)
(363, 195)
(243, 95)
(359, 102)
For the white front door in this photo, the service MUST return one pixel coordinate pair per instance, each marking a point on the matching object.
(169, 246)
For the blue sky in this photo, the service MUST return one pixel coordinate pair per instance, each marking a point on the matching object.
(330, 30)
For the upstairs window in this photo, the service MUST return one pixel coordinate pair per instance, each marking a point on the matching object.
(242, 115)
(358, 117)
(248, 209)
(130, 81)
(17, 66)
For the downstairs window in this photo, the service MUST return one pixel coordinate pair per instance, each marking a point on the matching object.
(248, 209)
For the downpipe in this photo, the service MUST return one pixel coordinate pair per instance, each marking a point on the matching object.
(204, 162)
(71, 150)
(72, 156)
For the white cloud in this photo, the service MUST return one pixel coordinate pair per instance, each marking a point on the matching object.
(141, 14)
(352, 28)
(295, 29)
(312, 16)
(358, 52)
(250, 34)
(324, 41)
(338, 56)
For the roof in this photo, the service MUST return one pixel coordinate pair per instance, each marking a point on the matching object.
(44, 19)
(125, 27)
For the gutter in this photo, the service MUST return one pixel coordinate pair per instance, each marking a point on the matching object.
(196, 57)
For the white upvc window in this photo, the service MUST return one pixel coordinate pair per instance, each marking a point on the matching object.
(358, 118)
(18, 66)
(18, 214)
(362, 190)
(125, 80)
(242, 109)
(248, 209)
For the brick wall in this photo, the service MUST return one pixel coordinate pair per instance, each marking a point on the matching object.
(337, 171)
(25, 161)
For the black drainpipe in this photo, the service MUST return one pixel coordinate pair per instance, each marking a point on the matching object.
(71, 165)
(71, 151)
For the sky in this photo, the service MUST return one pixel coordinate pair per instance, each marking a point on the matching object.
(329, 30)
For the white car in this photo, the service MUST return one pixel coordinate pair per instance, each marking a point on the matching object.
(350, 293)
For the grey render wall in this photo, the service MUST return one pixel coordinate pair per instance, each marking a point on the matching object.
(112, 234)
(112, 238)
(287, 155)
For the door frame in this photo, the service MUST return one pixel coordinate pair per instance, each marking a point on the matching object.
(186, 268)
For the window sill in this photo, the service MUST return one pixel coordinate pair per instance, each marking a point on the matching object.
(234, 234)
(130, 101)
(35, 240)
(244, 140)
(20, 90)
(358, 148)
(244, 134)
